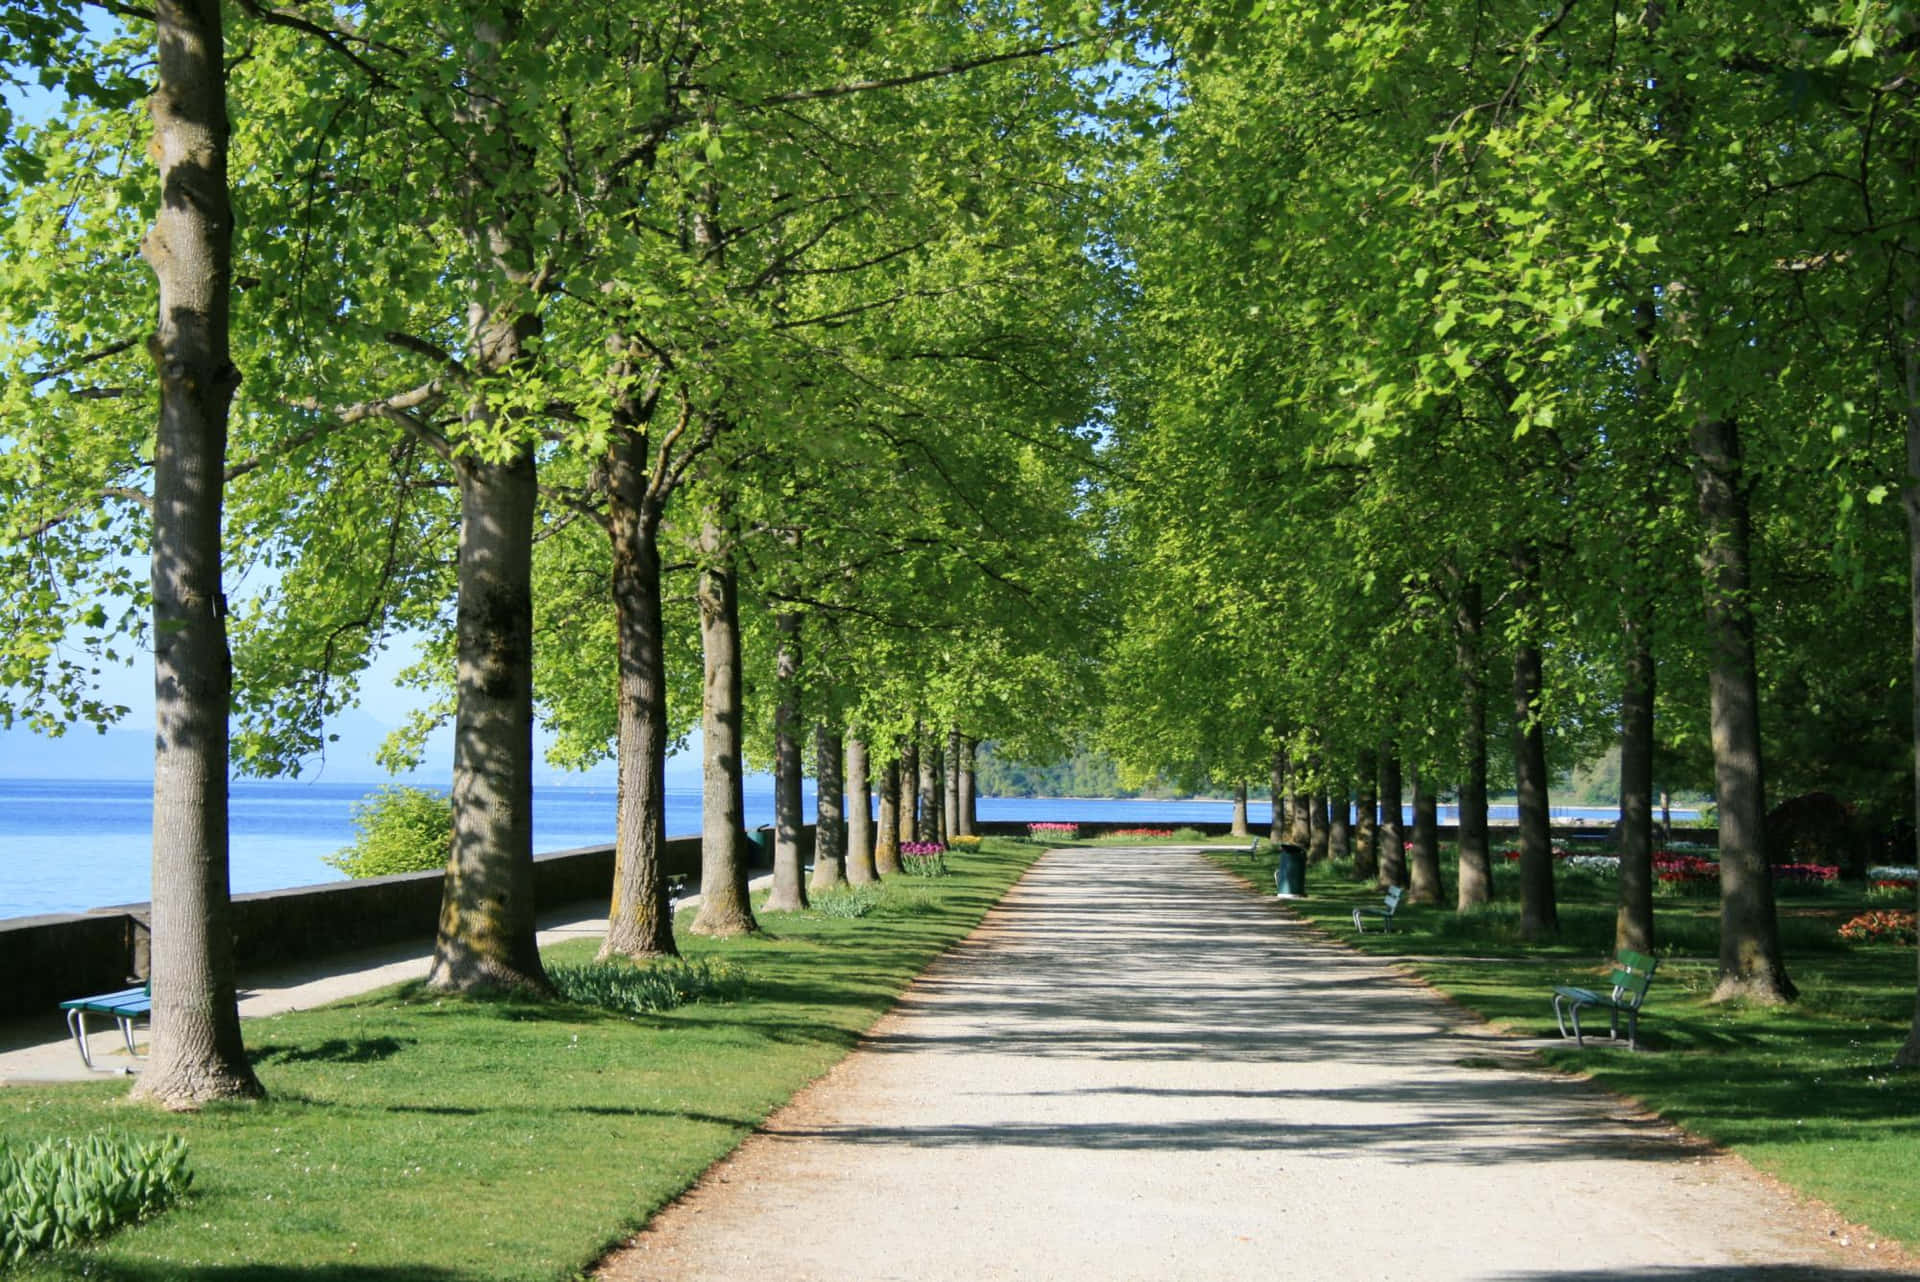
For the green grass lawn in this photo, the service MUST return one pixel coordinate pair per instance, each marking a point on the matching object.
(409, 1136)
(1804, 1091)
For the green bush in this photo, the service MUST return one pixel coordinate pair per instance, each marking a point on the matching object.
(64, 1190)
(644, 990)
(847, 901)
(397, 830)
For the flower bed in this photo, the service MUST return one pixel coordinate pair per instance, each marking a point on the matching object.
(1791, 878)
(1141, 833)
(1882, 926)
(1053, 831)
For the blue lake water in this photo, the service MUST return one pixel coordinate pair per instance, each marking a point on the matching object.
(71, 845)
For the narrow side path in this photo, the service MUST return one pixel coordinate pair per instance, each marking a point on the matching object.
(1134, 1069)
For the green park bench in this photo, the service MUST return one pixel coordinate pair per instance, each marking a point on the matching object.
(1385, 912)
(1632, 973)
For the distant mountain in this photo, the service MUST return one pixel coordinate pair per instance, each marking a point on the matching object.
(81, 753)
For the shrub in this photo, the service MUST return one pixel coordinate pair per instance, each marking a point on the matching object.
(1882, 926)
(847, 901)
(1802, 878)
(397, 830)
(649, 989)
(64, 1190)
(1188, 834)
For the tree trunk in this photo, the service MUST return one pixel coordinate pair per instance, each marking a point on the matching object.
(886, 837)
(1750, 963)
(486, 938)
(1539, 915)
(1340, 826)
(789, 891)
(1277, 783)
(1633, 923)
(1317, 827)
(1393, 842)
(1909, 1053)
(910, 786)
(1366, 835)
(725, 908)
(950, 813)
(860, 869)
(932, 792)
(1423, 860)
(1240, 828)
(1476, 851)
(830, 827)
(640, 917)
(1300, 821)
(195, 1053)
(969, 795)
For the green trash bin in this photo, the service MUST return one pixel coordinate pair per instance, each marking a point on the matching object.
(760, 843)
(1290, 878)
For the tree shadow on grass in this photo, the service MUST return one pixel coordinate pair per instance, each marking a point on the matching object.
(335, 1050)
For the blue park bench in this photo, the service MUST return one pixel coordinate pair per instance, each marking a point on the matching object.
(122, 1007)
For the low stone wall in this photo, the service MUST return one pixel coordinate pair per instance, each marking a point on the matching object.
(49, 959)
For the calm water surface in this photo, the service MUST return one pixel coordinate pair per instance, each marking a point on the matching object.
(71, 845)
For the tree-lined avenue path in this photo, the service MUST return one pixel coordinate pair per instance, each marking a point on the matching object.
(1135, 1069)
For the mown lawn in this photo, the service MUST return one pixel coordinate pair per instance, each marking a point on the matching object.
(1803, 1091)
(410, 1136)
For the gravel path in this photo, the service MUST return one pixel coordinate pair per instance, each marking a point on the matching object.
(1135, 1069)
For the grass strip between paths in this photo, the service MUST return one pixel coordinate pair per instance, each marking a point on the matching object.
(427, 1138)
(1804, 1091)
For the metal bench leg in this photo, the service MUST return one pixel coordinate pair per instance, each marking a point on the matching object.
(126, 1033)
(77, 1025)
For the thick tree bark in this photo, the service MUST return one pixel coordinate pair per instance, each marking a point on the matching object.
(1366, 834)
(1633, 923)
(1909, 355)
(486, 938)
(1277, 784)
(1750, 962)
(932, 770)
(640, 917)
(886, 836)
(195, 1053)
(969, 791)
(1539, 915)
(1318, 828)
(830, 826)
(1423, 860)
(789, 890)
(950, 813)
(1340, 826)
(860, 869)
(487, 921)
(1476, 851)
(1240, 828)
(725, 908)
(1299, 813)
(1392, 840)
(909, 785)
